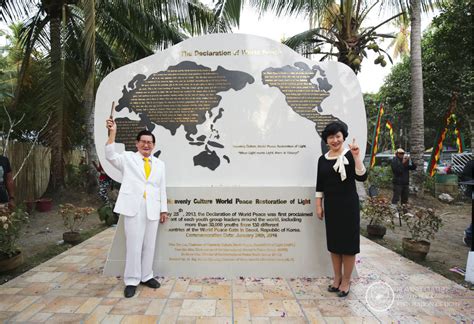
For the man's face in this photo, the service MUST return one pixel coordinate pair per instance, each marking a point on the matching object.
(400, 155)
(145, 145)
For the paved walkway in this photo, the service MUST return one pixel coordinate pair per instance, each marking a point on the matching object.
(71, 288)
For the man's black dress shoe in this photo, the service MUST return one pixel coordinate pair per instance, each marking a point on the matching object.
(152, 283)
(129, 291)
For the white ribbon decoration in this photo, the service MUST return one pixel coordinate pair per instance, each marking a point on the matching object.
(339, 166)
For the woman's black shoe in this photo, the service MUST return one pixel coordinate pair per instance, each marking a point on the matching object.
(343, 293)
(331, 288)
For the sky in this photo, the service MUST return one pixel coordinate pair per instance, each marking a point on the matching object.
(371, 76)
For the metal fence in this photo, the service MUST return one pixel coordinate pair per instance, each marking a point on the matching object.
(458, 161)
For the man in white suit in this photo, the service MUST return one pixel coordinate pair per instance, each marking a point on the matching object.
(142, 202)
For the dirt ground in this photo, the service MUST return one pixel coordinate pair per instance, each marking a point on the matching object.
(46, 228)
(447, 249)
(41, 237)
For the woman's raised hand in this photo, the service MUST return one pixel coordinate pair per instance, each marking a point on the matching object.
(354, 148)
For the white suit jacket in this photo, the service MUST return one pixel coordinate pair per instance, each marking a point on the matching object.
(134, 183)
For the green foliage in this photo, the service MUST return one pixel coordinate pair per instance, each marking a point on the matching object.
(77, 175)
(10, 63)
(123, 31)
(341, 34)
(422, 223)
(378, 211)
(107, 215)
(11, 223)
(429, 184)
(371, 102)
(447, 49)
(381, 176)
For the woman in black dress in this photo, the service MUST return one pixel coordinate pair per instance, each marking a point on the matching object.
(337, 171)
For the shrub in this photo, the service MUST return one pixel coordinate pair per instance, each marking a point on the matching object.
(422, 223)
(77, 175)
(381, 176)
(378, 211)
(107, 215)
(73, 216)
(11, 223)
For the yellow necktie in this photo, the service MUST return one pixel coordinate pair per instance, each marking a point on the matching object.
(147, 167)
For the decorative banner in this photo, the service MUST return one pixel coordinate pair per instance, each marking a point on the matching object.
(459, 139)
(438, 144)
(237, 119)
(389, 125)
(375, 139)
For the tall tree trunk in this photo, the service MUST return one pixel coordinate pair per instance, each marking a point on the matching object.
(417, 119)
(89, 47)
(56, 73)
(471, 128)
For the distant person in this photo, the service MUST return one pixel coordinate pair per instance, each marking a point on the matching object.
(104, 183)
(336, 189)
(142, 203)
(7, 186)
(401, 166)
(466, 176)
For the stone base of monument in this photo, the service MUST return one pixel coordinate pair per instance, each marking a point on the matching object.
(115, 265)
(470, 268)
(295, 248)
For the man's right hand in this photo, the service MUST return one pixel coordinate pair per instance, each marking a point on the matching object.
(111, 125)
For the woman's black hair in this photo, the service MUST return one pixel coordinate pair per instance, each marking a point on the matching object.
(146, 133)
(333, 128)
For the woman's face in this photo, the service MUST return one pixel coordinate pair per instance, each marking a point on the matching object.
(335, 141)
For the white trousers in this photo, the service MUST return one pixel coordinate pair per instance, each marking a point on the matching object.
(140, 237)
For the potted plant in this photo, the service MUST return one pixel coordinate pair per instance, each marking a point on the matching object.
(423, 224)
(380, 215)
(11, 222)
(73, 217)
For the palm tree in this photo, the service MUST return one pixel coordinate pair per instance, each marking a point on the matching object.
(341, 29)
(401, 44)
(82, 35)
(417, 145)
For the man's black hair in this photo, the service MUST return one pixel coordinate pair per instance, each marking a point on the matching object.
(332, 129)
(145, 132)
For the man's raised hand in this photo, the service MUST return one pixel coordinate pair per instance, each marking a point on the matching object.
(111, 125)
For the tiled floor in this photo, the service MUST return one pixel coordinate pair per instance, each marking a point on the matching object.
(71, 288)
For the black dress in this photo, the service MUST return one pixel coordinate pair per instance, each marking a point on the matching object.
(341, 205)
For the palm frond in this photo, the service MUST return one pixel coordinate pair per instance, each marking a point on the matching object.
(307, 37)
(228, 11)
(13, 10)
